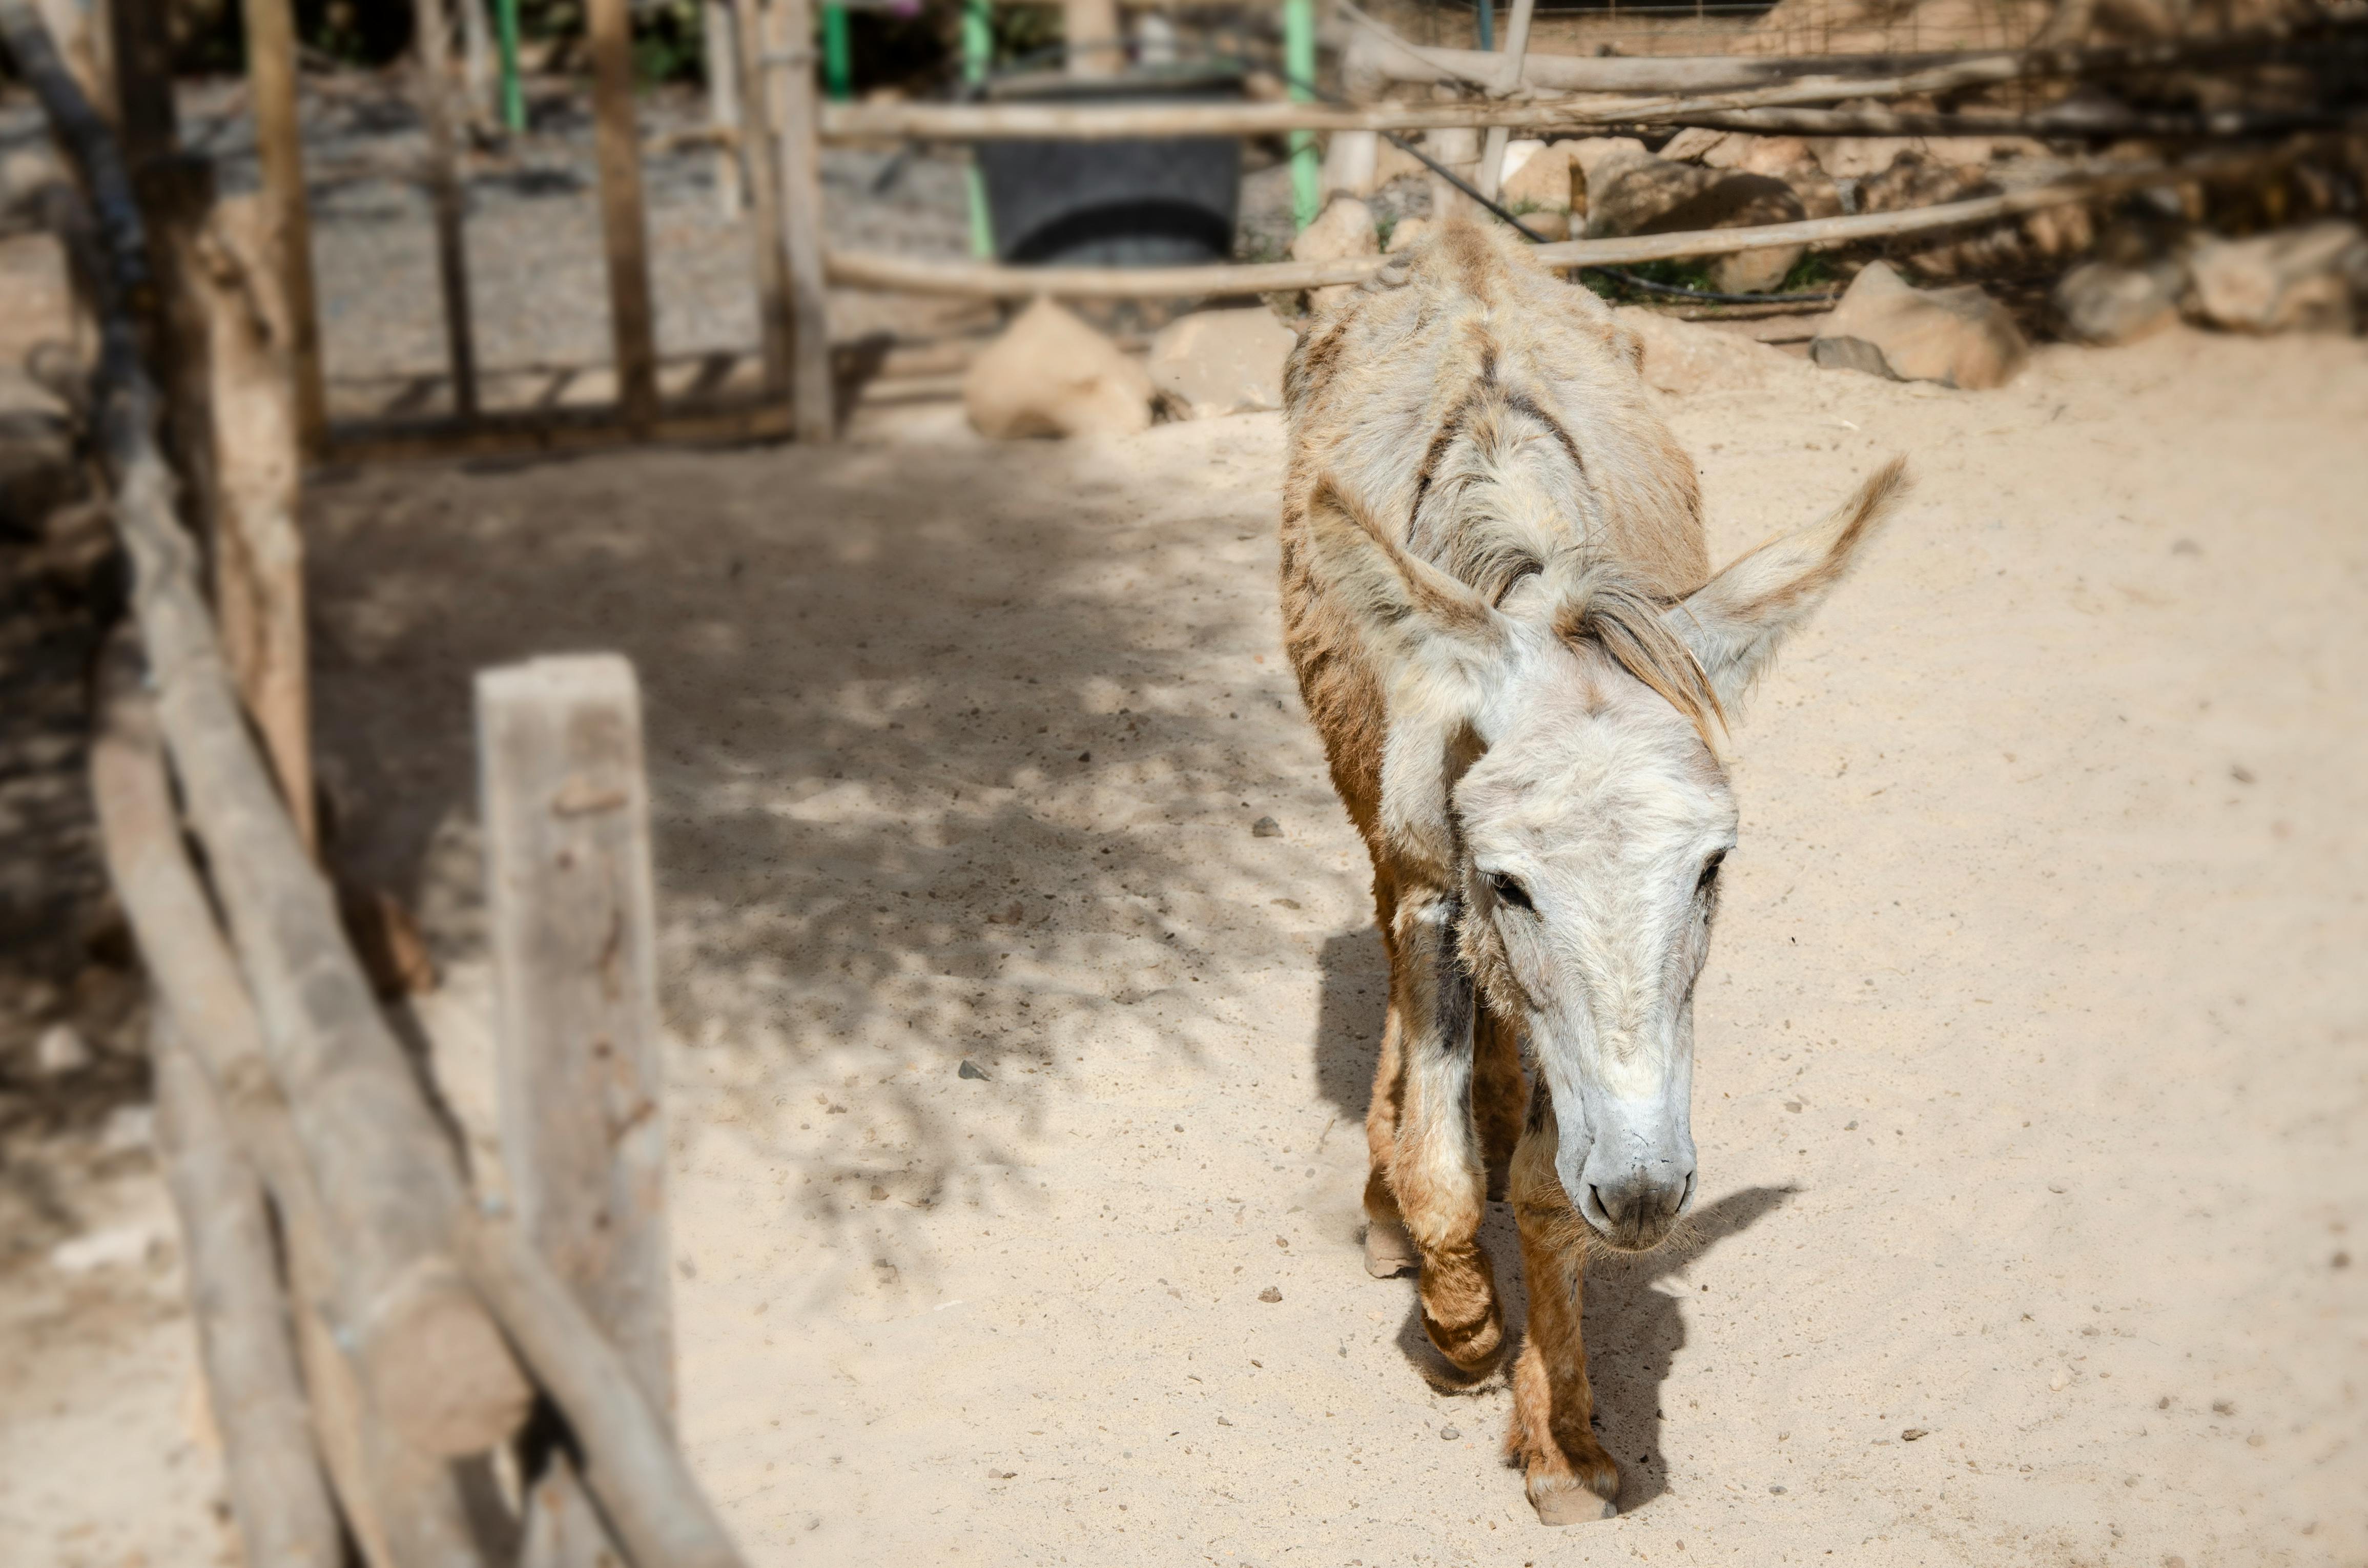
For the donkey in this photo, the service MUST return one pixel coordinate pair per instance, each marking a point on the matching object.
(1497, 599)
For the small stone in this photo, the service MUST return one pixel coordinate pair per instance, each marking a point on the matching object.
(1912, 1433)
(1778, 1490)
(970, 1069)
(60, 1050)
(1050, 374)
(2055, 1186)
(878, 1192)
(1213, 363)
(1793, 1104)
(1266, 827)
(1959, 337)
(1449, 1434)
(1085, 756)
(2102, 304)
(1271, 1294)
(2340, 1260)
(1850, 1126)
(2224, 1407)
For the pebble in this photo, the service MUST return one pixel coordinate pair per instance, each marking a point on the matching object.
(970, 1069)
(61, 1051)
(1449, 1434)
(1913, 1433)
(1266, 827)
(1271, 1294)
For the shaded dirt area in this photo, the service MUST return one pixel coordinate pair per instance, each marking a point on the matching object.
(2033, 1087)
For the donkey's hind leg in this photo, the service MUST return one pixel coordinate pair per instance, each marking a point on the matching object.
(1570, 1478)
(1435, 1168)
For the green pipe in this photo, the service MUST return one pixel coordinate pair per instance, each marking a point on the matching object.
(1486, 11)
(837, 54)
(505, 33)
(1299, 65)
(978, 59)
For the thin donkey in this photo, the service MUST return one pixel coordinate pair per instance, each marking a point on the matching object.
(1495, 593)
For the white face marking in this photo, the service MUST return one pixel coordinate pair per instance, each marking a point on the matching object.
(1588, 829)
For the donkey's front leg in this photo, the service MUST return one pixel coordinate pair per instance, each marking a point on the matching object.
(1570, 1477)
(1435, 1168)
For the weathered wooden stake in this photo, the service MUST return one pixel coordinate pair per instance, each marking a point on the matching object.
(761, 149)
(568, 883)
(720, 45)
(433, 48)
(271, 87)
(624, 232)
(796, 105)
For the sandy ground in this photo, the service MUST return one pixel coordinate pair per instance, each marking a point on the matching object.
(2034, 1083)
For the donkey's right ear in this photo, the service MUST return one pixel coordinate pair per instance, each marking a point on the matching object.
(1415, 618)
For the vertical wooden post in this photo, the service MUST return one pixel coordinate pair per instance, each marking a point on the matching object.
(258, 557)
(1508, 80)
(433, 47)
(617, 139)
(1090, 38)
(760, 149)
(571, 906)
(271, 86)
(795, 109)
(719, 43)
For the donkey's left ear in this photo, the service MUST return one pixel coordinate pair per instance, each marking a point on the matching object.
(1736, 622)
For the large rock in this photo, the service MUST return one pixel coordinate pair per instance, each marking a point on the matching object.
(1736, 200)
(1217, 362)
(1537, 173)
(1342, 230)
(1628, 188)
(1050, 374)
(1684, 356)
(2102, 302)
(2312, 278)
(1959, 337)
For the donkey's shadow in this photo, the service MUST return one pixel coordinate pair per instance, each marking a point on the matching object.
(1633, 1331)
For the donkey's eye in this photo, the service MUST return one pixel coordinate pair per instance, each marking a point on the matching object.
(1509, 891)
(1710, 872)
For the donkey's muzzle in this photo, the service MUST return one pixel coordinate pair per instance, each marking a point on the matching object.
(1635, 1214)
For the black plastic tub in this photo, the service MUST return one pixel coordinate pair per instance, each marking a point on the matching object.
(1155, 201)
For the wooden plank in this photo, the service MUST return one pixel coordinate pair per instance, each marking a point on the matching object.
(565, 807)
(432, 60)
(796, 119)
(1090, 39)
(761, 148)
(720, 49)
(272, 88)
(624, 229)
(859, 269)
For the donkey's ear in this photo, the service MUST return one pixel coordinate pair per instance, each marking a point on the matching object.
(1420, 622)
(1734, 623)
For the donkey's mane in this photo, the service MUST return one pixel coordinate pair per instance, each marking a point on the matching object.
(1599, 602)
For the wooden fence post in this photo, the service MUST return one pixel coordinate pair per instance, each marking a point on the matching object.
(617, 143)
(433, 47)
(271, 85)
(761, 150)
(720, 49)
(570, 908)
(796, 108)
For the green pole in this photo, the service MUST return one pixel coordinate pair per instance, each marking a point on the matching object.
(506, 32)
(978, 58)
(837, 54)
(1298, 65)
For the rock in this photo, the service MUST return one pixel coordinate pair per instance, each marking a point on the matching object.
(1266, 827)
(1539, 176)
(1050, 374)
(1342, 230)
(2309, 278)
(1271, 1295)
(1409, 231)
(970, 1069)
(1549, 226)
(117, 1246)
(1736, 201)
(1695, 143)
(1449, 1435)
(60, 1050)
(1627, 190)
(1217, 362)
(1959, 337)
(1683, 356)
(1391, 161)
(2102, 304)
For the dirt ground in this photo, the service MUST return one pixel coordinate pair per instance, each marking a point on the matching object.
(2033, 1097)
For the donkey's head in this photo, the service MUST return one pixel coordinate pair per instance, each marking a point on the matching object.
(1550, 757)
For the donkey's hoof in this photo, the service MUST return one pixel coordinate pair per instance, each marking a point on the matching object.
(1569, 1504)
(1389, 1251)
